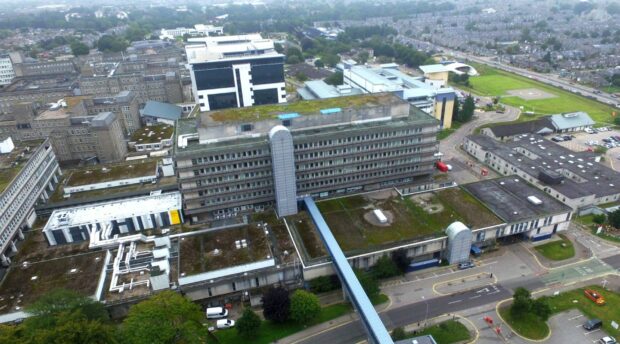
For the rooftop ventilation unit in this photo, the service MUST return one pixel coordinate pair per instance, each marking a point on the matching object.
(534, 200)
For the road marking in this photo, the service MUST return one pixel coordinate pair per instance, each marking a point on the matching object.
(577, 325)
(475, 297)
(587, 333)
(573, 318)
(453, 302)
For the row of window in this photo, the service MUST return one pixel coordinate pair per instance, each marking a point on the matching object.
(236, 197)
(237, 187)
(386, 154)
(362, 176)
(358, 168)
(358, 138)
(228, 156)
(232, 167)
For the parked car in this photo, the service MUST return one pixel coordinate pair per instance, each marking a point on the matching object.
(216, 312)
(589, 130)
(594, 296)
(224, 323)
(592, 324)
(567, 137)
(608, 340)
(466, 265)
(557, 139)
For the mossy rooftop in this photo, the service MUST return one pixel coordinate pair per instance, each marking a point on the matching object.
(106, 173)
(152, 134)
(304, 107)
(12, 163)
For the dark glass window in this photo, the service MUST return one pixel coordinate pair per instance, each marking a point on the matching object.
(267, 73)
(214, 78)
(222, 101)
(269, 96)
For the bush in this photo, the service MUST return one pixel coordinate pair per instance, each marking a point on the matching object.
(305, 306)
(401, 260)
(248, 324)
(385, 267)
(541, 308)
(599, 219)
(324, 284)
(276, 305)
(399, 334)
(614, 219)
(369, 283)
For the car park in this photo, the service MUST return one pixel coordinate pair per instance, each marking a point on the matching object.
(224, 323)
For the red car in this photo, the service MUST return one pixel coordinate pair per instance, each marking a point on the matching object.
(594, 296)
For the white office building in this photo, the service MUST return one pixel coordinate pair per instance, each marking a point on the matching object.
(6, 70)
(235, 71)
(197, 30)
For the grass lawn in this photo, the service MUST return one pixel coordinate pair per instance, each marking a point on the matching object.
(494, 82)
(447, 332)
(557, 250)
(270, 332)
(608, 312)
(528, 325)
(444, 133)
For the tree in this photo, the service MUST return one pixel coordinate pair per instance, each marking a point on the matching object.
(319, 64)
(324, 284)
(335, 79)
(401, 260)
(112, 43)
(369, 283)
(541, 308)
(330, 59)
(614, 219)
(301, 76)
(248, 324)
(276, 305)
(362, 57)
(456, 110)
(399, 334)
(305, 306)
(522, 302)
(466, 113)
(166, 317)
(293, 59)
(278, 47)
(599, 219)
(385, 267)
(79, 48)
(62, 316)
(307, 43)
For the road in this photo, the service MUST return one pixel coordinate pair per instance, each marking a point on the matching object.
(416, 312)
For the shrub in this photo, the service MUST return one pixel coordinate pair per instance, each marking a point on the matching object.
(305, 306)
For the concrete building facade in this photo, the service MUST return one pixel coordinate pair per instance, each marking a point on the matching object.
(7, 72)
(32, 172)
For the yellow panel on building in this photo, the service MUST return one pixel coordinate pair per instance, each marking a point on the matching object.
(175, 219)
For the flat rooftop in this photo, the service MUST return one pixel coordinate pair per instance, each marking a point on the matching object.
(111, 172)
(302, 107)
(12, 163)
(222, 249)
(40, 269)
(533, 154)
(113, 210)
(514, 200)
(53, 114)
(216, 48)
(411, 218)
(152, 134)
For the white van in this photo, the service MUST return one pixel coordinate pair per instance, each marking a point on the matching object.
(224, 323)
(217, 312)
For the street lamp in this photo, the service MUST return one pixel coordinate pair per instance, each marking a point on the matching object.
(425, 314)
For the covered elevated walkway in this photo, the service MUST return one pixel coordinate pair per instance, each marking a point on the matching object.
(377, 333)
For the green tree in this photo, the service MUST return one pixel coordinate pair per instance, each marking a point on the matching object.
(385, 267)
(330, 59)
(369, 283)
(466, 113)
(79, 48)
(335, 79)
(614, 219)
(112, 43)
(305, 306)
(166, 317)
(248, 324)
(278, 47)
(301, 76)
(522, 302)
(401, 260)
(362, 57)
(541, 308)
(324, 284)
(276, 304)
(599, 219)
(293, 59)
(399, 334)
(319, 63)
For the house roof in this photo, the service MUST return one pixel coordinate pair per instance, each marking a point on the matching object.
(571, 120)
(539, 126)
(161, 110)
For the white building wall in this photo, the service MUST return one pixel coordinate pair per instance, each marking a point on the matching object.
(6, 70)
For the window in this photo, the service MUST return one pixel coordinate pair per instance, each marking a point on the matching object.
(269, 96)
(222, 101)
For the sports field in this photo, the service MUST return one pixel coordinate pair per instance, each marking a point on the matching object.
(494, 82)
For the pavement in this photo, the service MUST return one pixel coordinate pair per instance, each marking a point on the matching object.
(417, 298)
